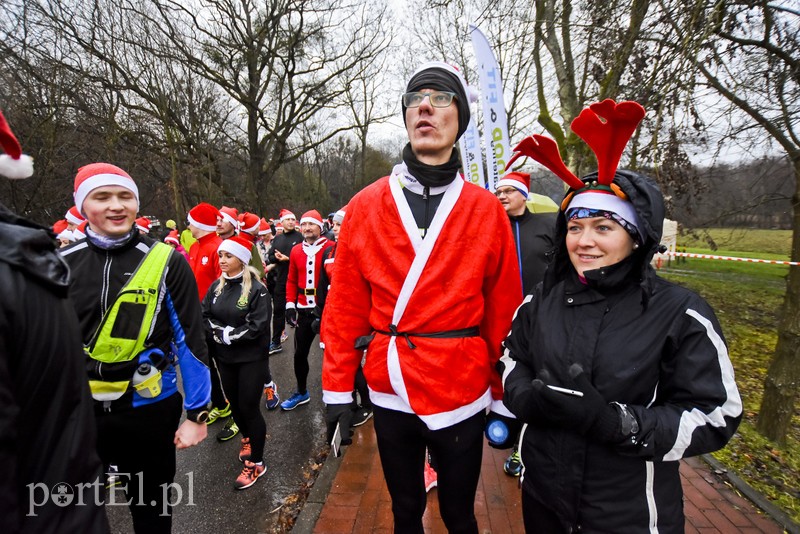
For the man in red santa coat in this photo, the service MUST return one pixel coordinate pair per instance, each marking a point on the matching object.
(430, 312)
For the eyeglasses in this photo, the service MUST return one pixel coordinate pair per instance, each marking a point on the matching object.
(438, 99)
(507, 192)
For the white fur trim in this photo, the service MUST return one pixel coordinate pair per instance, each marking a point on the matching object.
(232, 247)
(312, 220)
(516, 184)
(607, 202)
(99, 180)
(72, 218)
(230, 219)
(16, 169)
(289, 215)
(201, 226)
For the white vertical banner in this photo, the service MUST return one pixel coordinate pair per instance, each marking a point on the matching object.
(495, 122)
(471, 156)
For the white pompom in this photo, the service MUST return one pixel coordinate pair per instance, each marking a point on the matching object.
(16, 169)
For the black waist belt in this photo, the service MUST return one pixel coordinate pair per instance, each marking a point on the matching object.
(472, 331)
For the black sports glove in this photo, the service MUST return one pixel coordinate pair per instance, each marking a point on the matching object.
(217, 334)
(291, 317)
(512, 427)
(565, 410)
(315, 325)
(341, 414)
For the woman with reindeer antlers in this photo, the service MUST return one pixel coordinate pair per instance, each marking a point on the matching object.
(617, 373)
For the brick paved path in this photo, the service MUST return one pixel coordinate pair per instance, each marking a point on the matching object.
(358, 501)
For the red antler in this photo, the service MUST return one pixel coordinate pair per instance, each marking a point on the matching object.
(607, 138)
(545, 151)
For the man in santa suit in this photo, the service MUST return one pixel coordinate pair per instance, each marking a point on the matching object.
(203, 257)
(305, 265)
(430, 309)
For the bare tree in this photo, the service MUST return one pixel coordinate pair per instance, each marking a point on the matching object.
(748, 53)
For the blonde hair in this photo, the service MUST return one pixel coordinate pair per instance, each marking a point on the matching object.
(249, 273)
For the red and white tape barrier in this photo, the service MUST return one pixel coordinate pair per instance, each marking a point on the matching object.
(729, 258)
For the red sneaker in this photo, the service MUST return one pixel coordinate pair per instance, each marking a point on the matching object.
(244, 452)
(431, 478)
(250, 473)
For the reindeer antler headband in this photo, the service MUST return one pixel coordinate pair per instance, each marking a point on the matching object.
(606, 127)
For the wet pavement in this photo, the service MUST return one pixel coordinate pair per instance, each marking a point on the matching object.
(206, 473)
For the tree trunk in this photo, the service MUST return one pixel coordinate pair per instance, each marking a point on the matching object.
(783, 376)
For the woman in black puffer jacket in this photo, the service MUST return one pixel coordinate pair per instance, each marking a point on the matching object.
(237, 313)
(617, 373)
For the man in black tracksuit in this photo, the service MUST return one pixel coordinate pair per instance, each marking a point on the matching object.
(279, 255)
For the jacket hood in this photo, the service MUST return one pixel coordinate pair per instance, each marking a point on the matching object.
(648, 202)
(31, 248)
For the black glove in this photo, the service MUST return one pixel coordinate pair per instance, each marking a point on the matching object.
(342, 414)
(565, 410)
(217, 334)
(291, 317)
(512, 428)
(315, 325)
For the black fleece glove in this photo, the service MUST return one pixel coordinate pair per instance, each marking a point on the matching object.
(315, 325)
(291, 317)
(341, 414)
(565, 410)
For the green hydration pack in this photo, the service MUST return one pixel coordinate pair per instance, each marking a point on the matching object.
(126, 325)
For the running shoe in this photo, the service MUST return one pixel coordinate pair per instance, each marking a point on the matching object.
(245, 451)
(271, 393)
(295, 400)
(431, 478)
(284, 336)
(249, 475)
(275, 348)
(216, 413)
(230, 430)
(361, 416)
(112, 476)
(513, 465)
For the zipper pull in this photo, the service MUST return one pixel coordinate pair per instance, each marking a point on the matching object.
(425, 193)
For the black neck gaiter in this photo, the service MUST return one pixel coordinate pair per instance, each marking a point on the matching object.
(432, 175)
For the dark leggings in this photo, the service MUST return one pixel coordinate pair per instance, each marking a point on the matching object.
(139, 441)
(457, 450)
(244, 384)
(218, 399)
(278, 311)
(303, 337)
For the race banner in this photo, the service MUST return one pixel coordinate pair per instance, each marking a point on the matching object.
(471, 156)
(495, 121)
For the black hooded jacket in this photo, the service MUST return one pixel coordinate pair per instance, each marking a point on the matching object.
(47, 431)
(646, 343)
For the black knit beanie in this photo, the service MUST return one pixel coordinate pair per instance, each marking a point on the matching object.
(439, 79)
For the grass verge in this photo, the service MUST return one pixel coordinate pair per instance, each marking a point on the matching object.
(747, 298)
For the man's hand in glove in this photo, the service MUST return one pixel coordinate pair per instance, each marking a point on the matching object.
(341, 414)
(315, 325)
(291, 317)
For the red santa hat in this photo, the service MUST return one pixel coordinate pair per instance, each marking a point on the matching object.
(95, 175)
(238, 246)
(230, 215)
(143, 224)
(74, 216)
(13, 164)
(204, 216)
(286, 214)
(278, 227)
(173, 238)
(249, 223)
(312, 216)
(518, 180)
(263, 227)
(59, 226)
(66, 234)
(80, 231)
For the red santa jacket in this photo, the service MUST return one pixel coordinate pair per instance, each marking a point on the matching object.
(386, 274)
(204, 262)
(305, 264)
